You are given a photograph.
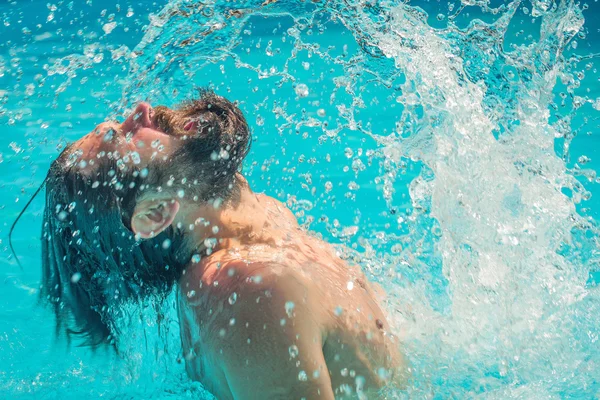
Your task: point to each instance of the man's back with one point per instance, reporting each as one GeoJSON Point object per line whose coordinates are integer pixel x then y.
{"type": "Point", "coordinates": [288, 315]}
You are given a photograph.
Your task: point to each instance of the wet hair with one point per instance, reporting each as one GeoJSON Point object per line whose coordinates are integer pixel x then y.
{"type": "Point", "coordinates": [214, 154]}
{"type": "Point", "coordinates": [91, 260]}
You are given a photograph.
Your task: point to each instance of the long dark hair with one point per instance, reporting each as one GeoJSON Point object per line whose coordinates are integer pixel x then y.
{"type": "Point", "coordinates": [91, 261]}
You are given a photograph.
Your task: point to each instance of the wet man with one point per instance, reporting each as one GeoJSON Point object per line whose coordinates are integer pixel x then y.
{"type": "Point", "coordinates": [266, 310]}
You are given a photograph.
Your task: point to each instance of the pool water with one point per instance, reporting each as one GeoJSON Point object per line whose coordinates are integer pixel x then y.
{"type": "Point", "coordinates": [448, 148]}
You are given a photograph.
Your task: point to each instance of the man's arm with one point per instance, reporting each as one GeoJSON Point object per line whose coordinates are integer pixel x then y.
{"type": "Point", "coordinates": [272, 348]}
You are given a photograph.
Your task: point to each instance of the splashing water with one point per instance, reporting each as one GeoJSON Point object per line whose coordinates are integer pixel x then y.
{"type": "Point", "coordinates": [486, 257]}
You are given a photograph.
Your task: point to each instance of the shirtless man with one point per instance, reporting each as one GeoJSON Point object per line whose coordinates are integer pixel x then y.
{"type": "Point", "coordinates": [266, 310]}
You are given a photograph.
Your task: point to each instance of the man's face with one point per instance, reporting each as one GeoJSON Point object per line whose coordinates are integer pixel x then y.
{"type": "Point", "coordinates": [138, 141]}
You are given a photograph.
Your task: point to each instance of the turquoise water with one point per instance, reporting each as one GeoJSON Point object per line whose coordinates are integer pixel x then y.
{"type": "Point", "coordinates": [451, 154]}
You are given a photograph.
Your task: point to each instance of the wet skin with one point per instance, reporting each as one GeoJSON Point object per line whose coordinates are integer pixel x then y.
{"type": "Point", "coordinates": [272, 312]}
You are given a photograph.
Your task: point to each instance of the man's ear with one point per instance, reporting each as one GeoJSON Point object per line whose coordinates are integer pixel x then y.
{"type": "Point", "coordinates": [151, 217]}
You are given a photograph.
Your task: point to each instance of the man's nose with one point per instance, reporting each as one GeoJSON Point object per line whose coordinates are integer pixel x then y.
{"type": "Point", "coordinates": [140, 118]}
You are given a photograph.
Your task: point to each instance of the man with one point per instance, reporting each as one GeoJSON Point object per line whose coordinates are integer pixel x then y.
{"type": "Point", "coordinates": [266, 310]}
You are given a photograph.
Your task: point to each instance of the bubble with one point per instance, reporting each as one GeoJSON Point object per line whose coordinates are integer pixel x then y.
{"type": "Point", "coordinates": [166, 244]}
{"type": "Point", "coordinates": [301, 90]}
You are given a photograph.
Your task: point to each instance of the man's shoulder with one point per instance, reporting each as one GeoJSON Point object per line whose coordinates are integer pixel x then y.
{"type": "Point", "coordinates": [224, 274]}
{"type": "Point", "coordinates": [236, 290]}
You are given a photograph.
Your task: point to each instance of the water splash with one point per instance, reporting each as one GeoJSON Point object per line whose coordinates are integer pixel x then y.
{"type": "Point", "coordinates": [485, 257]}
{"type": "Point", "coordinates": [488, 290]}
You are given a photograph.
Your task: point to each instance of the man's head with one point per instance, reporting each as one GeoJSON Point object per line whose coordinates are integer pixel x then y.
{"type": "Point", "coordinates": [112, 198]}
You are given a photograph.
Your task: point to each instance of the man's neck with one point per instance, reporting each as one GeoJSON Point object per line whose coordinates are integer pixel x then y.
{"type": "Point", "coordinates": [217, 225]}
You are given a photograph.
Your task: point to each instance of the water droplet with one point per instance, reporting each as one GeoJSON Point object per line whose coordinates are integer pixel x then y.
{"type": "Point", "coordinates": [75, 277]}
{"type": "Point", "coordinates": [166, 244]}
{"type": "Point", "coordinates": [233, 298]}
{"type": "Point", "coordinates": [301, 90]}
{"type": "Point", "coordinates": [15, 147]}
{"type": "Point", "coordinates": [293, 350]}
{"type": "Point", "coordinates": [289, 308]}
{"type": "Point", "coordinates": [302, 376]}
{"type": "Point", "coordinates": [108, 28]}
{"type": "Point", "coordinates": [584, 160]}
{"type": "Point", "coordinates": [135, 157]}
